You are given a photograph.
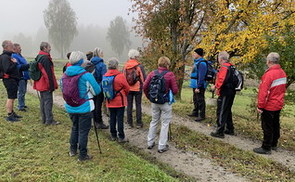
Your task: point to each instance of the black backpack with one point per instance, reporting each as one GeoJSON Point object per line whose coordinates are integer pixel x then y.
{"type": "Point", "coordinates": [210, 74]}
{"type": "Point", "coordinates": [157, 90]}
{"type": "Point", "coordinates": [237, 78]}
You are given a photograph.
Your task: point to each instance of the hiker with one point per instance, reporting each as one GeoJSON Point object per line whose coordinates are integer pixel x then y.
{"type": "Point", "coordinates": [11, 76]}
{"type": "Point", "coordinates": [116, 88]}
{"type": "Point", "coordinates": [24, 77]}
{"type": "Point", "coordinates": [89, 55]}
{"type": "Point", "coordinates": [68, 63]}
{"type": "Point", "coordinates": [135, 75]}
{"type": "Point", "coordinates": [198, 84]}
{"type": "Point", "coordinates": [46, 84]}
{"type": "Point", "coordinates": [270, 102]}
{"type": "Point", "coordinates": [161, 108]}
{"type": "Point", "coordinates": [226, 92]}
{"type": "Point", "coordinates": [99, 71]}
{"type": "Point", "coordinates": [80, 112]}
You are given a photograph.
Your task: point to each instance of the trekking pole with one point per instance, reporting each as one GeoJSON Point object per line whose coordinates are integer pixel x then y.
{"type": "Point", "coordinates": [96, 133]}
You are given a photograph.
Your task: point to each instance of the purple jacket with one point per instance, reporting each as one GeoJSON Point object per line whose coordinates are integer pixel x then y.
{"type": "Point", "coordinates": [170, 81]}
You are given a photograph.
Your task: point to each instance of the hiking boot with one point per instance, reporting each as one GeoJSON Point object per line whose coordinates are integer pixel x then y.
{"type": "Point", "coordinates": [113, 138]}
{"type": "Point", "coordinates": [261, 150]}
{"type": "Point", "coordinates": [151, 146]}
{"type": "Point", "coordinates": [11, 118]}
{"type": "Point", "coordinates": [123, 140]}
{"type": "Point", "coordinates": [130, 126]}
{"type": "Point", "coordinates": [53, 123]}
{"type": "Point", "coordinates": [138, 126]}
{"type": "Point", "coordinates": [217, 134]}
{"type": "Point", "coordinates": [199, 119]}
{"type": "Point", "coordinates": [164, 149]}
{"type": "Point", "coordinates": [102, 126]}
{"type": "Point", "coordinates": [72, 153]}
{"type": "Point", "coordinates": [192, 115]}
{"type": "Point", "coordinates": [15, 115]}
{"type": "Point", "coordinates": [86, 158]}
{"type": "Point", "coordinates": [229, 132]}
{"type": "Point", "coordinates": [23, 110]}
{"type": "Point", "coordinates": [26, 107]}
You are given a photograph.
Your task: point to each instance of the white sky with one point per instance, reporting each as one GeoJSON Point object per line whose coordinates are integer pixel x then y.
{"type": "Point", "coordinates": [26, 16]}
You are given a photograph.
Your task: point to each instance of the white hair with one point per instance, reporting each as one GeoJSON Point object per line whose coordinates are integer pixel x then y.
{"type": "Point", "coordinates": [76, 56]}
{"type": "Point", "coordinates": [273, 57]}
{"type": "Point", "coordinates": [223, 55]}
{"type": "Point", "coordinates": [113, 63]}
{"type": "Point", "coordinates": [97, 52]}
{"type": "Point", "coordinates": [133, 54]}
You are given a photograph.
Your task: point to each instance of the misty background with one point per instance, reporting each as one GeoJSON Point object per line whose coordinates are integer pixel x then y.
{"type": "Point", "coordinates": [22, 22]}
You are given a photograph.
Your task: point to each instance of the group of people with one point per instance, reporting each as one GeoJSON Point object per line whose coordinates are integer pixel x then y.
{"type": "Point", "coordinates": [84, 86]}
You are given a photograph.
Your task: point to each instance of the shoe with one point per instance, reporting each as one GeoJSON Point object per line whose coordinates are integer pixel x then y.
{"type": "Point", "coordinates": [217, 134]}
{"type": "Point", "coordinates": [229, 132]}
{"type": "Point", "coordinates": [11, 118]}
{"type": "Point", "coordinates": [113, 138]}
{"type": "Point", "coordinates": [23, 110]}
{"type": "Point", "coordinates": [102, 126]}
{"type": "Point", "coordinates": [53, 123]}
{"type": "Point", "coordinates": [151, 146]}
{"type": "Point", "coordinates": [122, 140]}
{"type": "Point", "coordinates": [130, 126]}
{"type": "Point", "coordinates": [138, 126]}
{"type": "Point", "coordinates": [274, 148]}
{"type": "Point", "coordinates": [192, 115]}
{"type": "Point", "coordinates": [25, 107]}
{"type": "Point", "coordinates": [15, 115]}
{"type": "Point", "coordinates": [261, 150]}
{"type": "Point", "coordinates": [164, 149]}
{"type": "Point", "coordinates": [72, 153]}
{"type": "Point", "coordinates": [199, 119]}
{"type": "Point", "coordinates": [86, 158]}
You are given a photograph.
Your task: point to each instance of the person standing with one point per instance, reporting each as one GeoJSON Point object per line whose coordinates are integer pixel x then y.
{"type": "Point", "coordinates": [226, 92]}
{"type": "Point", "coordinates": [161, 110]}
{"type": "Point", "coordinates": [135, 75]}
{"type": "Point", "coordinates": [270, 103]}
{"type": "Point", "coordinates": [8, 66]}
{"type": "Point", "coordinates": [24, 77]}
{"type": "Point", "coordinates": [117, 104]}
{"type": "Point", "coordinates": [46, 84]}
{"type": "Point", "coordinates": [99, 71]}
{"type": "Point", "coordinates": [198, 84]}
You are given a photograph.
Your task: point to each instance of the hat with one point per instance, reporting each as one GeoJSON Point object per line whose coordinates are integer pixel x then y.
{"type": "Point", "coordinates": [199, 51]}
{"type": "Point", "coordinates": [76, 56]}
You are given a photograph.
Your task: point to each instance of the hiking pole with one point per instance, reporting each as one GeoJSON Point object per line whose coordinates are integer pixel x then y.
{"type": "Point", "coordinates": [96, 133]}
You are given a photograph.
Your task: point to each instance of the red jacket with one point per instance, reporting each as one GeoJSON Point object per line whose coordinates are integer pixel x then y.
{"type": "Point", "coordinates": [47, 82]}
{"type": "Point", "coordinates": [170, 81]}
{"type": "Point", "coordinates": [140, 71]}
{"type": "Point", "coordinates": [120, 82]}
{"type": "Point", "coordinates": [222, 80]}
{"type": "Point", "coordinates": [272, 89]}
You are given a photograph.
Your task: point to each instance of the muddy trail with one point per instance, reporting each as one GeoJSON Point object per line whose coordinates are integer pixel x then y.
{"type": "Point", "coordinates": [188, 163]}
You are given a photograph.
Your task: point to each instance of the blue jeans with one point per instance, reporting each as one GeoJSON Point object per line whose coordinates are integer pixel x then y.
{"type": "Point", "coordinates": [80, 130]}
{"type": "Point", "coordinates": [22, 89]}
{"type": "Point", "coordinates": [116, 117]}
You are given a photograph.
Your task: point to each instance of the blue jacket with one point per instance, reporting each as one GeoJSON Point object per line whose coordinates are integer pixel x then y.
{"type": "Point", "coordinates": [88, 87]}
{"type": "Point", "coordinates": [21, 61]}
{"type": "Point", "coordinates": [100, 68]}
{"type": "Point", "coordinates": [198, 74]}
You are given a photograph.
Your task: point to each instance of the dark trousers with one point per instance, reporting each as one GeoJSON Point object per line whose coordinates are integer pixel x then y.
{"type": "Point", "coordinates": [46, 104]}
{"type": "Point", "coordinates": [116, 118]}
{"type": "Point", "coordinates": [224, 114]}
{"type": "Point", "coordinates": [199, 103]}
{"type": "Point", "coordinates": [80, 130]}
{"type": "Point", "coordinates": [270, 123]}
{"type": "Point", "coordinates": [137, 96]}
{"type": "Point", "coordinates": [22, 89]}
{"type": "Point", "coordinates": [97, 114]}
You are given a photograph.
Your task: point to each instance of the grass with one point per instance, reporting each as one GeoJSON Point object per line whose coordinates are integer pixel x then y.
{"type": "Point", "coordinates": [31, 151]}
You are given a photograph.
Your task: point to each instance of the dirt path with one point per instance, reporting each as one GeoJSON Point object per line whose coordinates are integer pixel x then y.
{"type": "Point", "coordinates": [287, 158]}
{"type": "Point", "coordinates": [186, 162]}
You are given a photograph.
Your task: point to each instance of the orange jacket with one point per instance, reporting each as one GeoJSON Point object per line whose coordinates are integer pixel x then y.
{"type": "Point", "coordinates": [140, 71]}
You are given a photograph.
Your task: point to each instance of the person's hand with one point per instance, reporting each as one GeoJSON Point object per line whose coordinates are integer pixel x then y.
{"type": "Point", "coordinates": [197, 90]}
{"type": "Point", "coordinates": [13, 60]}
{"type": "Point", "coordinates": [259, 111]}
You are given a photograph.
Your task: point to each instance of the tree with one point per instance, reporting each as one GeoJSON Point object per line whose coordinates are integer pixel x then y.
{"type": "Point", "coordinates": [61, 21]}
{"type": "Point", "coordinates": [119, 35]}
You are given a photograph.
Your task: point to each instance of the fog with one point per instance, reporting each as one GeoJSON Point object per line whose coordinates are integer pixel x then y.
{"type": "Point", "coordinates": [22, 22]}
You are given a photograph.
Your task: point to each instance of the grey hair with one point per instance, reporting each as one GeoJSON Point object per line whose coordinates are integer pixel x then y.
{"type": "Point", "coordinates": [76, 56]}
{"type": "Point", "coordinates": [44, 45]}
{"type": "Point", "coordinates": [97, 52]}
{"type": "Point", "coordinates": [223, 55]}
{"type": "Point", "coordinates": [113, 63]}
{"type": "Point", "coordinates": [273, 57]}
{"type": "Point", "coordinates": [5, 43]}
{"type": "Point", "coordinates": [133, 54]}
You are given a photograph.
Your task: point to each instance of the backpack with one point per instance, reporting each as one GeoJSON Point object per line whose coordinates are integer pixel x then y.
{"type": "Point", "coordinates": [157, 90]}
{"type": "Point", "coordinates": [211, 72]}
{"type": "Point", "coordinates": [237, 78]}
{"type": "Point", "coordinates": [34, 71]}
{"type": "Point", "coordinates": [107, 84]}
{"type": "Point", "coordinates": [70, 90]}
{"type": "Point", "coordinates": [131, 75]}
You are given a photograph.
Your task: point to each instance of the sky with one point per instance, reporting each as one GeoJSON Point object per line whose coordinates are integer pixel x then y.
{"type": "Point", "coordinates": [26, 16]}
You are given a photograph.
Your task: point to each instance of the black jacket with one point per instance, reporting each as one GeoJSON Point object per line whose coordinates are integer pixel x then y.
{"type": "Point", "coordinates": [7, 66]}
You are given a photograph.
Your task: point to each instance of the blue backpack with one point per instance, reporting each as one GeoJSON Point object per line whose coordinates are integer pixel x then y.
{"type": "Point", "coordinates": [107, 84]}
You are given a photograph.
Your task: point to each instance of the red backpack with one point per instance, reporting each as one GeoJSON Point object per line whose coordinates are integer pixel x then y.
{"type": "Point", "coordinates": [131, 75]}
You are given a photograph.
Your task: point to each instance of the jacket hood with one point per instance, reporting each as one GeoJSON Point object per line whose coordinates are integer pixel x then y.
{"type": "Point", "coordinates": [74, 70]}
{"type": "Point", "coordinates": [95, 60]}
{"type": "Point", "coordinates": [112, 72]}
{"type": "Point", "coordinates": [131, 63]}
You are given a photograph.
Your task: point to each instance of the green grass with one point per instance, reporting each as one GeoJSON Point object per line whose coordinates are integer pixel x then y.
{"type": "Point", "coordinates": [31, 151]}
